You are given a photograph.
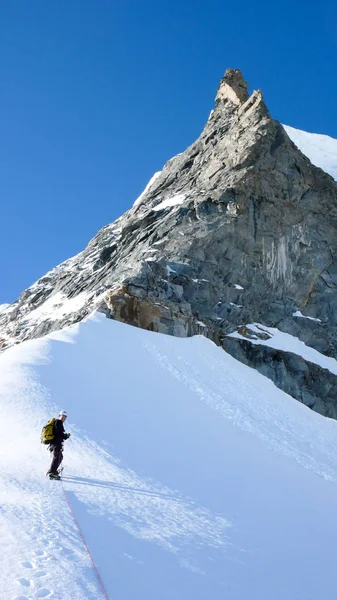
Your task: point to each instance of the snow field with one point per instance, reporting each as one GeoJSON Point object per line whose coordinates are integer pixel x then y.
{"type": "Point", "coordinates": [190, 474]}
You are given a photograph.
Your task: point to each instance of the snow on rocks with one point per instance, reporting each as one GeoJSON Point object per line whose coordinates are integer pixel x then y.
{"type": "Point", "coordinates": [274, 338]}
{"type": "Point", "coordinates": [146, 189]}
{"type": "Point", "coordinates": [170, 202]}
{"type": "Point", "coordinates": [57, 306]}
{"type": "Point", "coordinates": [299, 314]}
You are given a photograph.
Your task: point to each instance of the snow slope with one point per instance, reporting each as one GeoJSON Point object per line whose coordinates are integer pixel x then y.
{"type": "Point", "coordinates": [190, 474]}
{"type": "Point", "coordinates": [321, 149]}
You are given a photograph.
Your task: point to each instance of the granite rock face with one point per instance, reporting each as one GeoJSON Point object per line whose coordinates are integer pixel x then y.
{"type": "Point", "coordinates": [240, 228]}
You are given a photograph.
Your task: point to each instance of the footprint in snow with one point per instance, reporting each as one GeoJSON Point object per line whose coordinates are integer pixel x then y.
{"type": "Point", "coordinates": [55, 544]}
{"type": "Point", "coordinates": [40, 574]}
{"type": "Point", "coordinates": [41, 556]}
{"type": "Point", "coordinates": [21, 598]}
{"type": "Point", "coordinates": [39, 553]}
{"type": "Point", "coordinates": [23, 581]}
{"type": "Point", "coordinates": [27, 564]}
{"type": "Point", "coordinates": [43, 593]}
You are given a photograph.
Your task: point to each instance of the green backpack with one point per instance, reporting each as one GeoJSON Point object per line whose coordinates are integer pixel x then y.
{"type": "Point", "coordinates": [47, 433]}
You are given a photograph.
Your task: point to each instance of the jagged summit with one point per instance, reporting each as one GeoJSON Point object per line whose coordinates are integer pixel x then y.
{"type": "Point", "coordinates": [238, 229]}
{"type": "Point", "coordinates": [233, 87]}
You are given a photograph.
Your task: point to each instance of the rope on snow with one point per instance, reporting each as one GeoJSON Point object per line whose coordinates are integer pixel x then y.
{"type": "Point", "coordinates": [106, 597]}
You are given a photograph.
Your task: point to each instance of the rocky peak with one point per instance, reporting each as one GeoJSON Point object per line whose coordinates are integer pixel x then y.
{"type": "Point", "coordinates": [232, 87]}
{"type": "Point", "coordinates": [239, 229]}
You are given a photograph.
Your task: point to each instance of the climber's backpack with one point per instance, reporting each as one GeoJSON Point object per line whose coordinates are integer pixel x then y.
{"type": "Point", "coordinates": [47, 433]}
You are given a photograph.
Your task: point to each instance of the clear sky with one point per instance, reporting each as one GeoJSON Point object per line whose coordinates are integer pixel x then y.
{"type": "Point", "coordinates": [98, 94]}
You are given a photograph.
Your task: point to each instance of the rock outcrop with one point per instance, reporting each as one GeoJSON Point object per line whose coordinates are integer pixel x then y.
{"type": "Point", "coordinates": [240, 228]}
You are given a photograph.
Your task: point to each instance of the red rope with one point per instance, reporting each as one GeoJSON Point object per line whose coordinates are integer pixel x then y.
{"type": "Point", "coordinates": [86, 546]}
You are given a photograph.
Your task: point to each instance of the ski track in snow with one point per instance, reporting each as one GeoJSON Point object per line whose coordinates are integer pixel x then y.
{"type": "Point", "coordinates": [184, 471]}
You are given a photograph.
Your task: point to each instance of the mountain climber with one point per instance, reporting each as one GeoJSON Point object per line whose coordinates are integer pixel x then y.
{"type": "Point", "coordinates": [56, 445]}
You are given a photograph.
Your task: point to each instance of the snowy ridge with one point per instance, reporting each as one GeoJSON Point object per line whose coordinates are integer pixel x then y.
{"type": "Point", "coordinates": [191, 475]}
{"type": "Point", "coordinates": [321, 149]}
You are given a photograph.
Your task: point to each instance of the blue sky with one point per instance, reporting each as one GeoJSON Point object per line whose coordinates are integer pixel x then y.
{"type": "Point", "coordinates": [98, 94]}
